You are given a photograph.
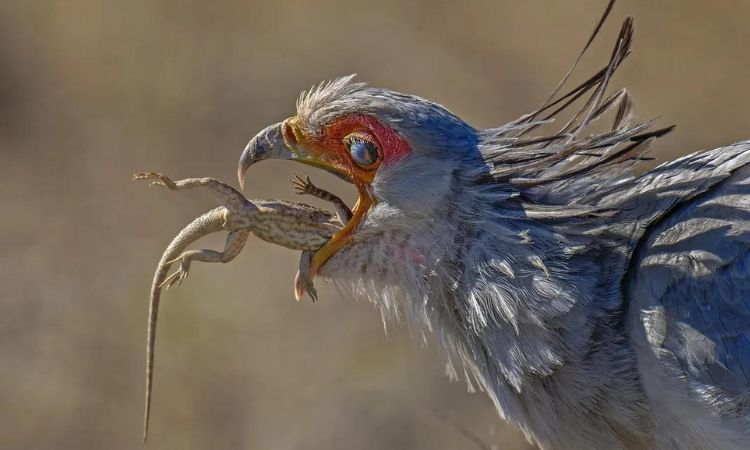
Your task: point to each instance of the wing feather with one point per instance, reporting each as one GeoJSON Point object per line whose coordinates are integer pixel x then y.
{"type": "Point", "coordinates": [688, 291]}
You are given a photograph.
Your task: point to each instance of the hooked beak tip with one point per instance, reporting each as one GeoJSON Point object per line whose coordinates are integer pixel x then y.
{"type": "Point", "coordinates": [268, 144]}
{"type": "Point", "coordinates": [241, 177]}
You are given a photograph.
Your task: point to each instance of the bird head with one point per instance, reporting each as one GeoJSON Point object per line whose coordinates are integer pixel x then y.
{"type": "Point", "coordinates": [401, 153]}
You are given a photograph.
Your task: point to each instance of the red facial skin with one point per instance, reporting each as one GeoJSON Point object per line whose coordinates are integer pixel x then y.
{"type": "Point", "coordinates": [330, 146]}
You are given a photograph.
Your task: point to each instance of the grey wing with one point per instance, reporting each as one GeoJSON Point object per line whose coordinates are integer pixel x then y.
{"type": "Point", "coordinates": [689, 302]}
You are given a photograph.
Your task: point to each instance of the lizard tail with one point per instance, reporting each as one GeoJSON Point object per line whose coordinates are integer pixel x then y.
{"type": "Point", "coordinates": [209, 222]}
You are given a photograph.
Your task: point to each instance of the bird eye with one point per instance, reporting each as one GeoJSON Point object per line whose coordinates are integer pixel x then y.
{"type": "Point", "coordinates": [364, 151]}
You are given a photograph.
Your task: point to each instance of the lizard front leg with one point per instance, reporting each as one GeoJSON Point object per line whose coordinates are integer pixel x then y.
{"type": "Point", "coordinates": [305, 186]}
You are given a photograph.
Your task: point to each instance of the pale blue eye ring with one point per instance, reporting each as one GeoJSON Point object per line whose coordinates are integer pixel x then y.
{"type": "Point", "coordinates": [364, 152]}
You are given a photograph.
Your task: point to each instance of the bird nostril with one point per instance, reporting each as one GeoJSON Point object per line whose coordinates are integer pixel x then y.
{"type": "Point", "coordinates": [287, 130]}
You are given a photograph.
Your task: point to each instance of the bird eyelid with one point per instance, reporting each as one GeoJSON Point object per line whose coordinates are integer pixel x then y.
{"type": "Point", "coordinates": [363, 149]}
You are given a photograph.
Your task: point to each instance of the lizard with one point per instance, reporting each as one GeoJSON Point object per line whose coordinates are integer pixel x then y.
{"type": "Point", "coordinates": [292, 225]}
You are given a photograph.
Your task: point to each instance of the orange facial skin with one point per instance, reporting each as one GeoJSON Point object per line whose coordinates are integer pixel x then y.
{"type": "Point", "coordinates": [329, 151]}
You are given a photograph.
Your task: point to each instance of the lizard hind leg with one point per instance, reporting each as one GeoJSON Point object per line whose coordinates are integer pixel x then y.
{"type": "Point", "coordinates": [233, 246]}
{"type": "Point", "coordinates": [228, 196]}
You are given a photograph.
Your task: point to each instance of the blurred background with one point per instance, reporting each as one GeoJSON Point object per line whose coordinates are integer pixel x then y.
{"type": "Point", "coordinates": [91, 91]}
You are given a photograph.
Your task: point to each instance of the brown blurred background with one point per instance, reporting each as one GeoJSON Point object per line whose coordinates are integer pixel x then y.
{"type": "Point", "coordinates": [92, 91]}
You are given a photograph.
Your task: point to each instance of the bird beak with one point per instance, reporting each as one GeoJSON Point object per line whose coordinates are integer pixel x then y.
{"type": "Point", "coordinates": [281, 141]}
{"type": "Point", "coordinates": [268, 144]}
{"type": "Point", "coordinates": [285, 141]}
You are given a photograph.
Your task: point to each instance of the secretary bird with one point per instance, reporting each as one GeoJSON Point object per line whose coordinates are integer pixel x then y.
{"type": "Point", "coordinates": [597, 308]}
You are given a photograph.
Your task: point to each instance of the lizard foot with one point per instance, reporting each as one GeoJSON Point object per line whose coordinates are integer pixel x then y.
{"type": "Point", "coordinates": [180, 274]}
{"type": "Point", "coordinates": [158, 179]}
{"type": "Point", "coordinates": [303, 186]}
{"type": "Point", "coordinates": [303, 283]}
{"type": "Point", "coordinates": [306, 187]}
